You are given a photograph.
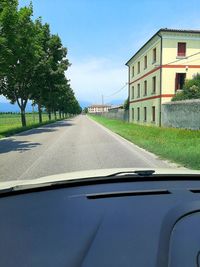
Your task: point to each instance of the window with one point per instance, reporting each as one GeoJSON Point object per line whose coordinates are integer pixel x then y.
{"type": "Point", "coordinates": [154, 85]}
{"type": "Point", "coordinates": [153, 114]}
{"type": "Point", "coordinates": [132, 114]}
{"type": "Point", "coordinates": [145, 62]}
{"type": "Point", "coordinates": [145, 114]}
{"type": "Point", "coordinates": [132, 92]}
{"type": "Point", "coordinates": [154, 55]}
{"type": "Point", "coordinates": [145, 88]}
{"type": "Point", "coordinates": [138, 114]}
{"type": "Point", "coordinates": [133, 71]}
{"type": "Point", "coordinates": [181, 51]}
{"type": "Point", "coordinates": [138, 90]}
{"type": "Point", "coordinates": [139, 67]}
{"type": "Point", "coordinates": [179, 81]}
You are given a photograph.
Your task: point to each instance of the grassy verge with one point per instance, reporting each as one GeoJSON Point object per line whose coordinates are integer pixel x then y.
{"type": "Point", "coordinates": [11, 123]}
{"type": "Point", "coordinates": [178, 145]}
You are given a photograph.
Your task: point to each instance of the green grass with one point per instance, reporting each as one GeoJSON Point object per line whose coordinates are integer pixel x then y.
{"type": "Point", "coordinates": [177, 145]}
{"type": "Point", "coordinates": [11, 123]}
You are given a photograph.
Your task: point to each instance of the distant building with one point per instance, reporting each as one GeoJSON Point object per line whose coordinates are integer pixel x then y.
{"type": "Point", "coordinates": [157, 71]}
{"type": "Point", "coordinates": [98, 108]}
{"type": "Point", "coordinates": [116, 108]}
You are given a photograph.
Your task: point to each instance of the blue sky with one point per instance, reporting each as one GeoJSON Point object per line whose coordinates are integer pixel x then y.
{"type": "Point", "coordinates": [101, 35]}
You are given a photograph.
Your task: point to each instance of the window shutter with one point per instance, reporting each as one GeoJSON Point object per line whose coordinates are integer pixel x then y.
{"type": "Point", "coordinates": [181, 49]}
{"type": "Point", "coordinates": [176, 82]}
{"type": "Point", "coordinates": [154, 55]}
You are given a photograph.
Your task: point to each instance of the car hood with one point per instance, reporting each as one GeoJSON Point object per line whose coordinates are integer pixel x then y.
{"type": "Point", "coordinates": [70, 176]}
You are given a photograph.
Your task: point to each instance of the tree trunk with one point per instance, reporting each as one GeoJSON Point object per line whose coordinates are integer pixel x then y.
{"type": "Point", "coordinates": [40, 113]}
{"type": "Point", "coordinates": [55, 117]}
{"type": "Point", "coordinates": [59, 114]}
{"type": "Point", "coordinates": [49, 114]}
{"type": "Point", "coordinates": [22, 106]}
{"type": "Point", "coordinates": [23, 117]}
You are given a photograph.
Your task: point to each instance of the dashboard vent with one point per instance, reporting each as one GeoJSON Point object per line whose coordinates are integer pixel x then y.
{"type": "Point", "coordinates": [128, 194]}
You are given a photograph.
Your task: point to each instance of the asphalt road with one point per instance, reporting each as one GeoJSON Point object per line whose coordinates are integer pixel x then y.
{"type": "Point", "coordinates": [70, 145]}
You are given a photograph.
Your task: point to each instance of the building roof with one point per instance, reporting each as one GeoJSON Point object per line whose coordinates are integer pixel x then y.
{"type": "Point", "coordinates": [179, 30]}
{"type": "Point", "coordinates": [99, 106]}
{"type": "Point", "coordinates": [163, 30]}
{"type": "Point", "coordinates": [117, 107]}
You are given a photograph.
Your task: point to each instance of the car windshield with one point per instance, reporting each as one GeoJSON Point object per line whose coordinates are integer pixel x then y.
{"type": "Point", "coordinates": [88, 86]}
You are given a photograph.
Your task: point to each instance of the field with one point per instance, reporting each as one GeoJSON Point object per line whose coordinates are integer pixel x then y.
{"type": "Point", "coordinates": [178, 145]}
{"type": "Point", "coordinates": [11, 123]}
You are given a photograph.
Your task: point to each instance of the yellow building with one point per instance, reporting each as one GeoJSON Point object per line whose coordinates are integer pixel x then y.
{"type": "Point", "coordinates": [157, 71]}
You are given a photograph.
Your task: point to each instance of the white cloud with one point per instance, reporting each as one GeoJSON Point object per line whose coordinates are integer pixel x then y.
{"type": "Point", "coordinates": [96, 76]}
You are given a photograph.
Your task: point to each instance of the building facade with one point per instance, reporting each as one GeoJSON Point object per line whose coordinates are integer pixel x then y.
{"type": "Point", "coordinates": [158, 70]}
{"type": "Point", "coordinates": [98, 108]}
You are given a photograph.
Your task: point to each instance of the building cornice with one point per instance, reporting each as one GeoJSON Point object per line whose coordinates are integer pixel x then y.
{"type": "Point", "coordinates": [151, 97]}
{"type": "Point", "coordinates": [165, 32]}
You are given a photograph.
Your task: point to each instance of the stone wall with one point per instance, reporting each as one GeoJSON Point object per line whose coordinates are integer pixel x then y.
{"type": "Point", "coordinates": [120, 114]}
{"type": "Point", "coordinates": [181, 114]}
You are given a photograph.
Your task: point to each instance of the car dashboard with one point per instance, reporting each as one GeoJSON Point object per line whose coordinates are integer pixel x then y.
{"type": "Point", "coordinates": [147, 223]}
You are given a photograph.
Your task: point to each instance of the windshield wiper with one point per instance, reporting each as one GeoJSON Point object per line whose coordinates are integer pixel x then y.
{"type": "Point", "coordinates": [138, 172]}
{"type": "Point", "coordinates": [116, 177]}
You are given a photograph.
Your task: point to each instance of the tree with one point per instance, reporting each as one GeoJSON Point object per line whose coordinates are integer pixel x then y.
{"type": "Point", "coordinates": [8, 19]}
{"type": "Point", "coordinates": [39, 81]}
{"type": "Point", "coordinates": [85, 110]}
{"type": "Point", "coordinates": [33, 63]}
{"type": "Point", "coordinates": [126, 104]}
{"type": "Point", "coordinates": [70, 104]}
{"type": "Point", "coordinates": [23, 55]}
{"type": "Point", "coordinates": [51, 71]}
{"type": "Point", "coordinates": [191, 89]}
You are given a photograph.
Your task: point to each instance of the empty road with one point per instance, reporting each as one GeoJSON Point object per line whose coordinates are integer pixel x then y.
{"type": "Point", "coordinates": [69, 145]}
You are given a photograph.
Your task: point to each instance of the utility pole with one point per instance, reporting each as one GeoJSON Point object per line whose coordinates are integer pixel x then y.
{"type": "Point", "coordinates": [102, 103]}
{"type": "Point", "coordinates": [102, 99]}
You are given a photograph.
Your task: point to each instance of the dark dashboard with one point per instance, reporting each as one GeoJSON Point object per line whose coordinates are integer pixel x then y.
{"type": "Point", "coordinates": [152, 223]}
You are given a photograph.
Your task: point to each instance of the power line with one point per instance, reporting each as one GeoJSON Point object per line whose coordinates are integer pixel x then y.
{"type": "Point", "coordinates": [182, 58]}
{"type": "Point", "coordinates": [192, 60]}
{"type": "Point", "coordinates": [123, 87]}
{"type": "Point", "coordinates": [118, 91]}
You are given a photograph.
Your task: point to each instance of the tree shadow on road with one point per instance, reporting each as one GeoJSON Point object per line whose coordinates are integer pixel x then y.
{"type": "Point", "coordinates": [11, 144]}
{"type": "Point", "coordinates": [46, 129]}
{"type": "Point", "coordinates": [59, 124]}
{"type": "Point", "coordinates": [36, 131]}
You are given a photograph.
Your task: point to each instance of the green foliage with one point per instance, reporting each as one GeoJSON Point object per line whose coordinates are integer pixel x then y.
{"type": "Point", "coordinates": [32, 62]}
{"type": "Point", "coordinates": [191, 89]}
{"type": "Point", "coordinates": [126, 104]}
{"type": "Point", "coordinates": [85, 110]}
{"type": "Point", "coordinates": [8, 19]}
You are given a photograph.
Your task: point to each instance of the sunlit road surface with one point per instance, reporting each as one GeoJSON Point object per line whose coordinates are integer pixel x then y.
{"type": "Point", "coordinates": [71, 145]}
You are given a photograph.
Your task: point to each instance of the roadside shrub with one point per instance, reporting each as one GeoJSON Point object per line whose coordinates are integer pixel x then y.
{"type": "Point", "coordinates": [191, 89]}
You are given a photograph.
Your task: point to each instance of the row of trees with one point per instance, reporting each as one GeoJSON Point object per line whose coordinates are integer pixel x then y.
{"type": "Point", "coordinates": [33, 63]}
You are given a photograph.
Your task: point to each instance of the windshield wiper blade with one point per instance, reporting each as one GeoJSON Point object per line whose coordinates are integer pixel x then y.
{"type": "Point", "coordinates": [117, 175]}
{"type": "Point", "coordinates": [138, 172]}
{"type": "Point", "coordinates": [114, 177]}
{"type": "Point", "coordinates": [143, 175]}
